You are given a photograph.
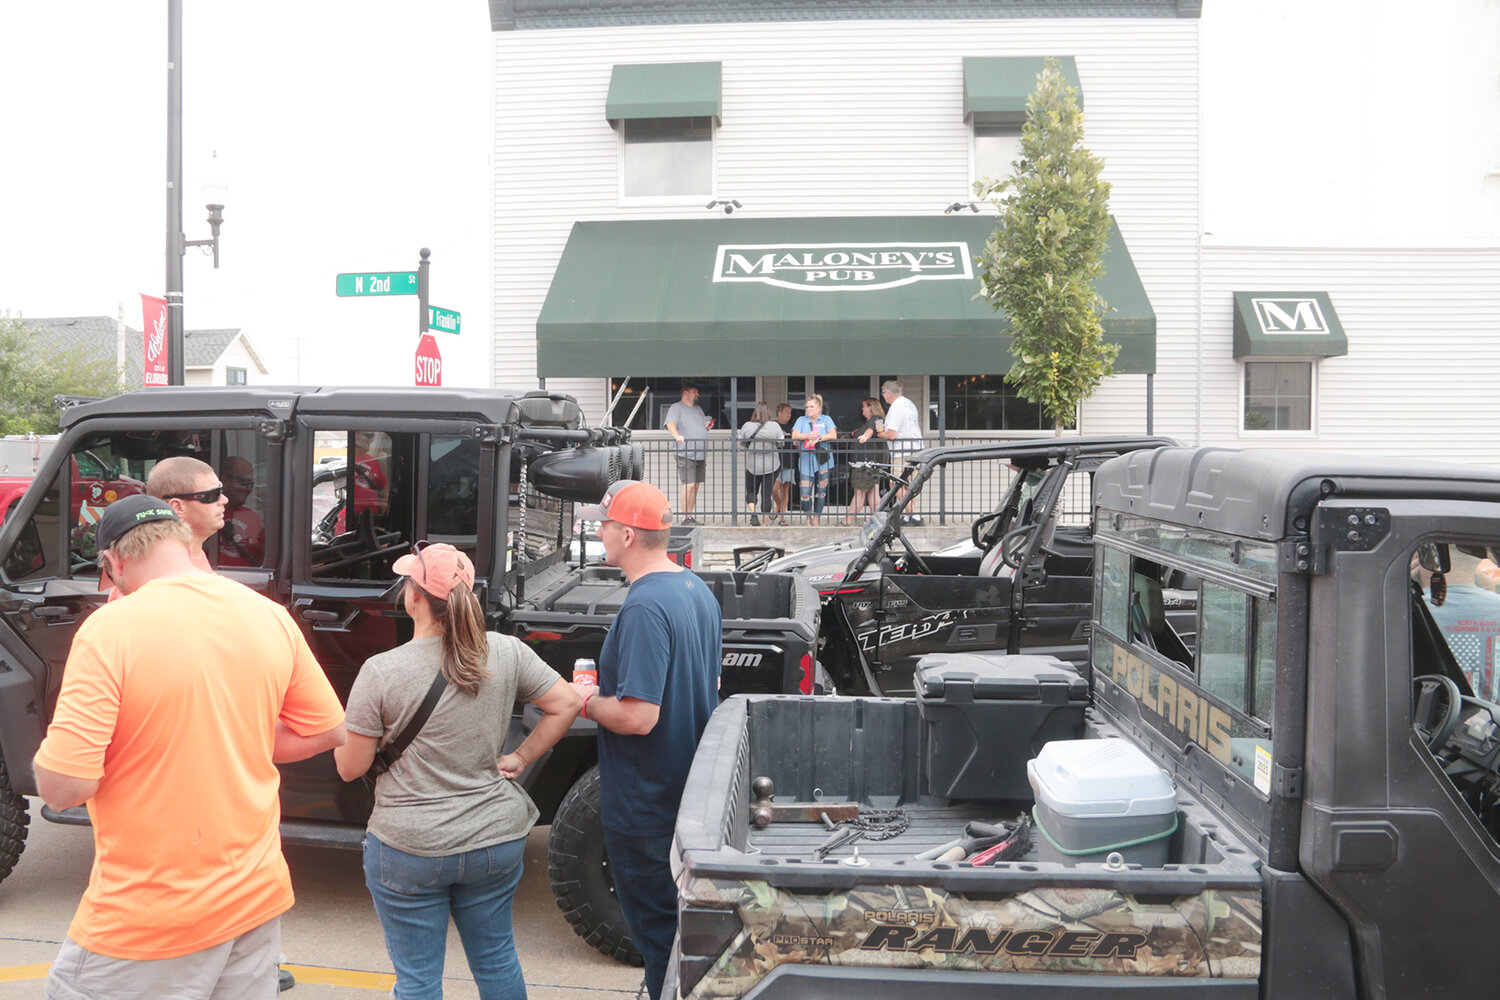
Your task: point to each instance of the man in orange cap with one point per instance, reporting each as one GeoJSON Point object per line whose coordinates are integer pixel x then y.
{"type": "Point", "coordinates": [658, 684]}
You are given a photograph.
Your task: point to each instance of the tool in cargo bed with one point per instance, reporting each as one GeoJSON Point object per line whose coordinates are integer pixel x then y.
{"type": "Point", "coordinates": [764, 812]}
{"type": "Point", "coordinates": [1013, 847]}
{"type": "Point", "coordinates": [877, 824]}
{"type": "Point", "coordinates": [977, 837]}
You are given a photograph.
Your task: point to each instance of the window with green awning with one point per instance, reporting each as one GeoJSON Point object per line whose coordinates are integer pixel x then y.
{"type": "Point", "coordinates": [735, 295]}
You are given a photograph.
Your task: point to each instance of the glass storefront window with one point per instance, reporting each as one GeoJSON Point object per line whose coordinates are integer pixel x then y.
{"type": "Point", "coordinates": [983, 403]}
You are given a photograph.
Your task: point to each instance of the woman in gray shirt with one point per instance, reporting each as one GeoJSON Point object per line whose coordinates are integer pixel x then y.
{"type": "Point", "coordinates": [450, 824]}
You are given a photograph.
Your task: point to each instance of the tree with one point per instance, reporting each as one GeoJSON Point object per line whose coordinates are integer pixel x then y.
{"type": "Point", "coordinates": [30, 375]}
{"type": "Point", "coordinates": [1040, 263]}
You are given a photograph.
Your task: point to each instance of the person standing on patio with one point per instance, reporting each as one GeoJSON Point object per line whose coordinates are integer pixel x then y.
{"type": "Point", "coordinates": [761, 437]}
{"type": "Point", "coordinates": [815, 460]}
{"type": "Point", "coordinates": [689, 428]}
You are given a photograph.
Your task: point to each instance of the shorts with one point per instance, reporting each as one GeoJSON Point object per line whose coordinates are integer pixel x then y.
{"type": "Point", "coordinates": [240, 967]}
{"type": "Point", "coordinates": [690, 470]}
{"type": "Point", "coordinates": [787, 475]}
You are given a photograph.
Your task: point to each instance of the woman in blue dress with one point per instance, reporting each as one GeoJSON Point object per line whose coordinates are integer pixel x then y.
{"type": "Point", "coordinates": [814, 457]}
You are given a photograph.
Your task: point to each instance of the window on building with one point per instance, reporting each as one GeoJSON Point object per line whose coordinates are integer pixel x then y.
{"type": "Point", "coordinates": [996, 148]}
{"type": "Point", "coordinates": [982, 403]}
{"type": "Point", "coordinates": [1278, 396]}
{"type": "Point", "coordinates": [661, 393]}
{"type": "Point", "coordinates": [236, 376]}
{"type": "Point", "coordinates": [668, 157]}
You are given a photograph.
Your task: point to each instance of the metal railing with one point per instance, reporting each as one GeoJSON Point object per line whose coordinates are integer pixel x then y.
{"type": "Point", "coordinates": [955, 495]}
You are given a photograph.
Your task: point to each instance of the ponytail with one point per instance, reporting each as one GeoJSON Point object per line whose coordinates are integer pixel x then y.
{"type": "Point", "coordinates": [466, 647]}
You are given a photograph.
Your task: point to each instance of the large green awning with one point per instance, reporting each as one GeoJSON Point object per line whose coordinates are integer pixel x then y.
{"type": "Point", "coordinates": [1288, 325]}
{"type": "Point", "coordinates": [733, 295]}
{"type": "Point", "coordinates": [996, 87]}
{"type": "Point", "coordinates": [664, 90]}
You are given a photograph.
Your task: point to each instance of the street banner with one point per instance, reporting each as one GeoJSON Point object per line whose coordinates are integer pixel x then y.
{"type": "Point", "coordinates": [155, 311]}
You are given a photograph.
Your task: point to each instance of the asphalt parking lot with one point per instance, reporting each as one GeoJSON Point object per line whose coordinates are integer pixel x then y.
{"type": "Point", "coordinates": [331, 937]}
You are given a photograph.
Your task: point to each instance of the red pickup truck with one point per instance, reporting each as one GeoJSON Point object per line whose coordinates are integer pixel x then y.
{"type": "Point", "coordinates": [12, 488]}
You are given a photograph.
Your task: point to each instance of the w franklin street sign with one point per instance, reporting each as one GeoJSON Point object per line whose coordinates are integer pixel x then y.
{"type": "Point", "coordinates": [439, 318]}
{"type": "Point", "coordinates": [378, 283]}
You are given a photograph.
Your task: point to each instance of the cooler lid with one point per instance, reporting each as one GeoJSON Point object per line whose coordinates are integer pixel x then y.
{"type": "Point", "coordinates": [1109, 777]}
{"type": "Point", "coordinates": [996, 676]}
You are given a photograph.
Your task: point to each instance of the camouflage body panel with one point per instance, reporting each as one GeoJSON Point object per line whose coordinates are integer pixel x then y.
{"type": "Point", "coordinates": [1212, 934]}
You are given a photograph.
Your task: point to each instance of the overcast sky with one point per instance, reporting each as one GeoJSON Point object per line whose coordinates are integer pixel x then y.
{"type": "Point", "coordinates": [352, 134]}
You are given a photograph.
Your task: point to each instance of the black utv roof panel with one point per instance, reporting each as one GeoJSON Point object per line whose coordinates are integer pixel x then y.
{"type": "Point", "coordinates": [1262, 493]}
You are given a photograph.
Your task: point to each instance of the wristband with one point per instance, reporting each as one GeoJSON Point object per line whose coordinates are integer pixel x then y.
{"type": "Point", "coordinates": [583, 711]}
{"type": "Point", "coordinates": [524, 762]}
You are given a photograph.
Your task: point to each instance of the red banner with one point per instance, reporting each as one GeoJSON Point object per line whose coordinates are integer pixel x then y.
{"type": "Point", "coordinates": [155, 311]}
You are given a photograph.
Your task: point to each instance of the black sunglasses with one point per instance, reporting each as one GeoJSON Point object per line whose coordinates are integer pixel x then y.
{"type": "Point", "coordinates": [202, 496]}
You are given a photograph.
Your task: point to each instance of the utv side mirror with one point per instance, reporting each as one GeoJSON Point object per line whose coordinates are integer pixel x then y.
{"type": "Point", "coordinates": [1434, 557]}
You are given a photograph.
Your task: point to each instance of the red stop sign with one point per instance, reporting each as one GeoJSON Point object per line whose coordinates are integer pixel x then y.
{"type": "Point", "coordinates": [429, 361]}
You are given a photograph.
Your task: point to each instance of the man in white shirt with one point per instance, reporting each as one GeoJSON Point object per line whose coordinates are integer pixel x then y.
{"type": "Point", "coordinates": [903, 429]}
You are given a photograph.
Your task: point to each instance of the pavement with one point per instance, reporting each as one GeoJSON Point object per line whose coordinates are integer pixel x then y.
{"type": "Point", "coordinates": [331, 937]}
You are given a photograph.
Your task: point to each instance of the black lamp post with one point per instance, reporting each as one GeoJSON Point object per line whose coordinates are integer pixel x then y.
{"type": "Point", "coordinates": [177, 244]}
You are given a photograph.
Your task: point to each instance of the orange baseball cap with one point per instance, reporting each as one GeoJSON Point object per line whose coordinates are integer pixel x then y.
{"type": "Point", "coordinates": [437, 568]}
{"type": "Point", "coordinates": [632, 503]}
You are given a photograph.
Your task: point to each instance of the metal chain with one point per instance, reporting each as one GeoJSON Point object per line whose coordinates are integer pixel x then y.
{"type": "Point", "coordinates": [878, 824]}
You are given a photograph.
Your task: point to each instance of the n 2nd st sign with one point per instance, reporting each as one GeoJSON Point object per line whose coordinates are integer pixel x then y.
{"type": "Point", "coordinates": [378, 283]}
{"type": "Point", "coordinates": [429, 361]}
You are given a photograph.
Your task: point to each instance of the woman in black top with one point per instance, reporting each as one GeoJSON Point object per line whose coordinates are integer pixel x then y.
{"type": "Point", "coordinates": [870, 448]}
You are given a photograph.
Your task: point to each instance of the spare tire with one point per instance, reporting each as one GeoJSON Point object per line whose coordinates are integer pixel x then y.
{"type": "Point", "coordinates": [13, 821]}
{"type": "Point", "coordinates": [580, 876]}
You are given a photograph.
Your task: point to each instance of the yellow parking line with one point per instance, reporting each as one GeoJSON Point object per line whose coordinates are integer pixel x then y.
{"type": "Point", "coordinates": [342, 977]}
{"type": "Point", "coordinates": [16, 973]}
{"type": "Point", "coordinates": [304, 973]}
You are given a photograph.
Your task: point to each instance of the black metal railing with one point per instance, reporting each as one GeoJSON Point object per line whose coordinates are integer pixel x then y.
{"type": "Point", "coordinates": [956, 494]}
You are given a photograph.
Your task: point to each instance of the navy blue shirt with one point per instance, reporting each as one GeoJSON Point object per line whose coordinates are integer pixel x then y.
{"type": "Point", "coordinates": [664, 647]}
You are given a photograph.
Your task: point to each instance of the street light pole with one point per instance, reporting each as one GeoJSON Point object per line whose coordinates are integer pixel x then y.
{"type": "Point", "coordinates": [175, 249]}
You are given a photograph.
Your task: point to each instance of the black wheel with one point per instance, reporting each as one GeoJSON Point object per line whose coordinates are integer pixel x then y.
{"type": "Point", "coordinates": [580, 876]}
{"type": "Point", "coordinates": [13, 821]}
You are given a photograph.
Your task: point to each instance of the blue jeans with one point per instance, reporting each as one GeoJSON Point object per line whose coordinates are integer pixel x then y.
{"type": "Point", "coordinates": [642, 870]}
{"type": "Point", "coordinates": [815, 491]}
{"type": "Point", "coordinates": [414, 897]}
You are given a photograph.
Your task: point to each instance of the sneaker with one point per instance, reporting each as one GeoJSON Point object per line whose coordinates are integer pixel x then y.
{"type": "Point", "coordinates": [689, 519]}
{"type": "Point", "coordinates": [755, 520]}
{"type": "Point", "coordinates": [915, 520]}
{"type": "Point", "coordinates": [284, 980]}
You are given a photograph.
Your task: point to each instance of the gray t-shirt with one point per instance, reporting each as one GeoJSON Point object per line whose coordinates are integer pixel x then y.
{"type": "Point", "coordinates": [693, 426]}
{"type": "Point", "coordinates": [445, 794]}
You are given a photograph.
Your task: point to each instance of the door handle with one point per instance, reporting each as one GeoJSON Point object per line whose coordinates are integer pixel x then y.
{"type": "Point", "coordinates": [317, 615]}
{"type": "Point", "coordinates": [56, 614]}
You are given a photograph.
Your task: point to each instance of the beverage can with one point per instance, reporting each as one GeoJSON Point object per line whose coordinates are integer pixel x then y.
{"type": "Point", "coordinates": [879, 426]}
{"type": "Point", "coordinates": [586, 672]}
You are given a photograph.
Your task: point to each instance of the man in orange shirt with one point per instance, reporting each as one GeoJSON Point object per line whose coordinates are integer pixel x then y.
{"type": "Point", "coordinates": [177, 702]}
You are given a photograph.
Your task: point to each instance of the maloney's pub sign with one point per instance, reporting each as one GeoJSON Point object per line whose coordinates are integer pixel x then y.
{"type": "Point", "coordinates": [843, 267]}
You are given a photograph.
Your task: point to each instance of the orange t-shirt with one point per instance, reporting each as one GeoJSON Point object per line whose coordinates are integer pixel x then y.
{"type": "Point", "coordinates": [170, 700]}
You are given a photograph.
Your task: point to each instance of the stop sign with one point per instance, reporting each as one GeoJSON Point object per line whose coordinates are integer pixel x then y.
{"type": "Point", "coordinates": [429, 361]}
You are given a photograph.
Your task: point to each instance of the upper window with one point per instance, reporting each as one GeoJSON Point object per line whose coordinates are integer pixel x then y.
{"type": "Point", "coordinates": [996, 149]}
{"type": "Point", "coordinates": [235, 376]}
{"type": "Point", "coordinates": [668, 157]}
{"type": "Point", "coordinates": [1278, 396]}
{"type": "Point", "coordinates": [666, 113]}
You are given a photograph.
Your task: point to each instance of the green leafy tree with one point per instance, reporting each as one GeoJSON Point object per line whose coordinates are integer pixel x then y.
{"type": "Point", "coordinates": [1040, 263]}
{"type": "Point", "coordinates": [31, 374]}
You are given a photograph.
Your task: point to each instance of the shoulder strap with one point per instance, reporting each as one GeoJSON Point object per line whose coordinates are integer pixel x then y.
{"type": "Point", "coordinates": [393, 750]}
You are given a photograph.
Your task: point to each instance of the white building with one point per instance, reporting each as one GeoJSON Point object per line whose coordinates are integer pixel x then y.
{"type": "Point", "coordinates": [1250, 153]}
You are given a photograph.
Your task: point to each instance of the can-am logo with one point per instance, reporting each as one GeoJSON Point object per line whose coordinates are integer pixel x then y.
{"type": "Point", "coordinates": [843, 267]}
{"type": "Point", "coordinates": [1299, 317]}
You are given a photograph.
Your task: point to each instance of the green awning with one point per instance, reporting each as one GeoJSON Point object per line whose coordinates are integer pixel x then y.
{"type": "Point", "coordinates": [1288, 325]}
{"type": "Point", "coordinates": [731, 295]}
{"type": "Point", "coordinates": [996, 88]}
{"type": "Point", "coordinates": [664, 90]}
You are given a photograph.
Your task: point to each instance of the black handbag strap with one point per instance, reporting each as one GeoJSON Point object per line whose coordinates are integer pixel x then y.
{"type": "Point", "coordinates": [393, 750]}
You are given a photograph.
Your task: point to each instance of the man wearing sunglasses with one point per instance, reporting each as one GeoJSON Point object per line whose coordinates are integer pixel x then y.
{"type": "Point", "coordinates": [193, 490]}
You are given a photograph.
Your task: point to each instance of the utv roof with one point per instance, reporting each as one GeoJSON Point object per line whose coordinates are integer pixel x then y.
{"type": "Point", "coordinates": [1265, 494]}
{"type": "Point", "coordinates": [494, 406]}
{"type": "Point", "coordinates": [1040, 450]}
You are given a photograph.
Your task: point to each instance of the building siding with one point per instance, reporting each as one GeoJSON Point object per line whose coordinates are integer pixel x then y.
{"type": "Point", "coordinates": [846, 118]}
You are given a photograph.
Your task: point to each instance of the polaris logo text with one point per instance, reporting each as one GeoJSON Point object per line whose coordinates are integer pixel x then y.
{"type": "Point", "coordinates": [1299, 317]}
{"type": "Point", "coordinates": [843, 267]}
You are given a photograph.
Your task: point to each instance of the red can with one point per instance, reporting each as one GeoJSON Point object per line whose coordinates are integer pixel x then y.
{"type": "Point", "coordinates": [586, 672]}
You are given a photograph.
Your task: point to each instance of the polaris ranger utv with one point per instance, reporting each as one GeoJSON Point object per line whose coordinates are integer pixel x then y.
{"type": "Point", "coordinates": [1303, 804]}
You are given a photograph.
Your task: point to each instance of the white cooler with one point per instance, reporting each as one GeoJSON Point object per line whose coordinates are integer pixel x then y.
{"type": "Point", "coordinates": [1096, 797]}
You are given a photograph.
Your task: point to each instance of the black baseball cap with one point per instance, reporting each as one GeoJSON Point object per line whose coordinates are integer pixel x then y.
{"type": "Point", "coordinates": [130, 512]}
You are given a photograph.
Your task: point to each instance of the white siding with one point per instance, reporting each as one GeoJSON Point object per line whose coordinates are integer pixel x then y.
{"type": "Point", "coordinates": [1423, 324]}
{"type": "Point", "coordinates": [849, 118]}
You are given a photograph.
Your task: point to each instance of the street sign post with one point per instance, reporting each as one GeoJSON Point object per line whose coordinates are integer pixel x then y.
{"type": "Point", "coordinates": [378, 283]}
{"type": "Point", "coordinates": [429, 361]}
{"type": "Point", "coordinates": [439, 318]}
